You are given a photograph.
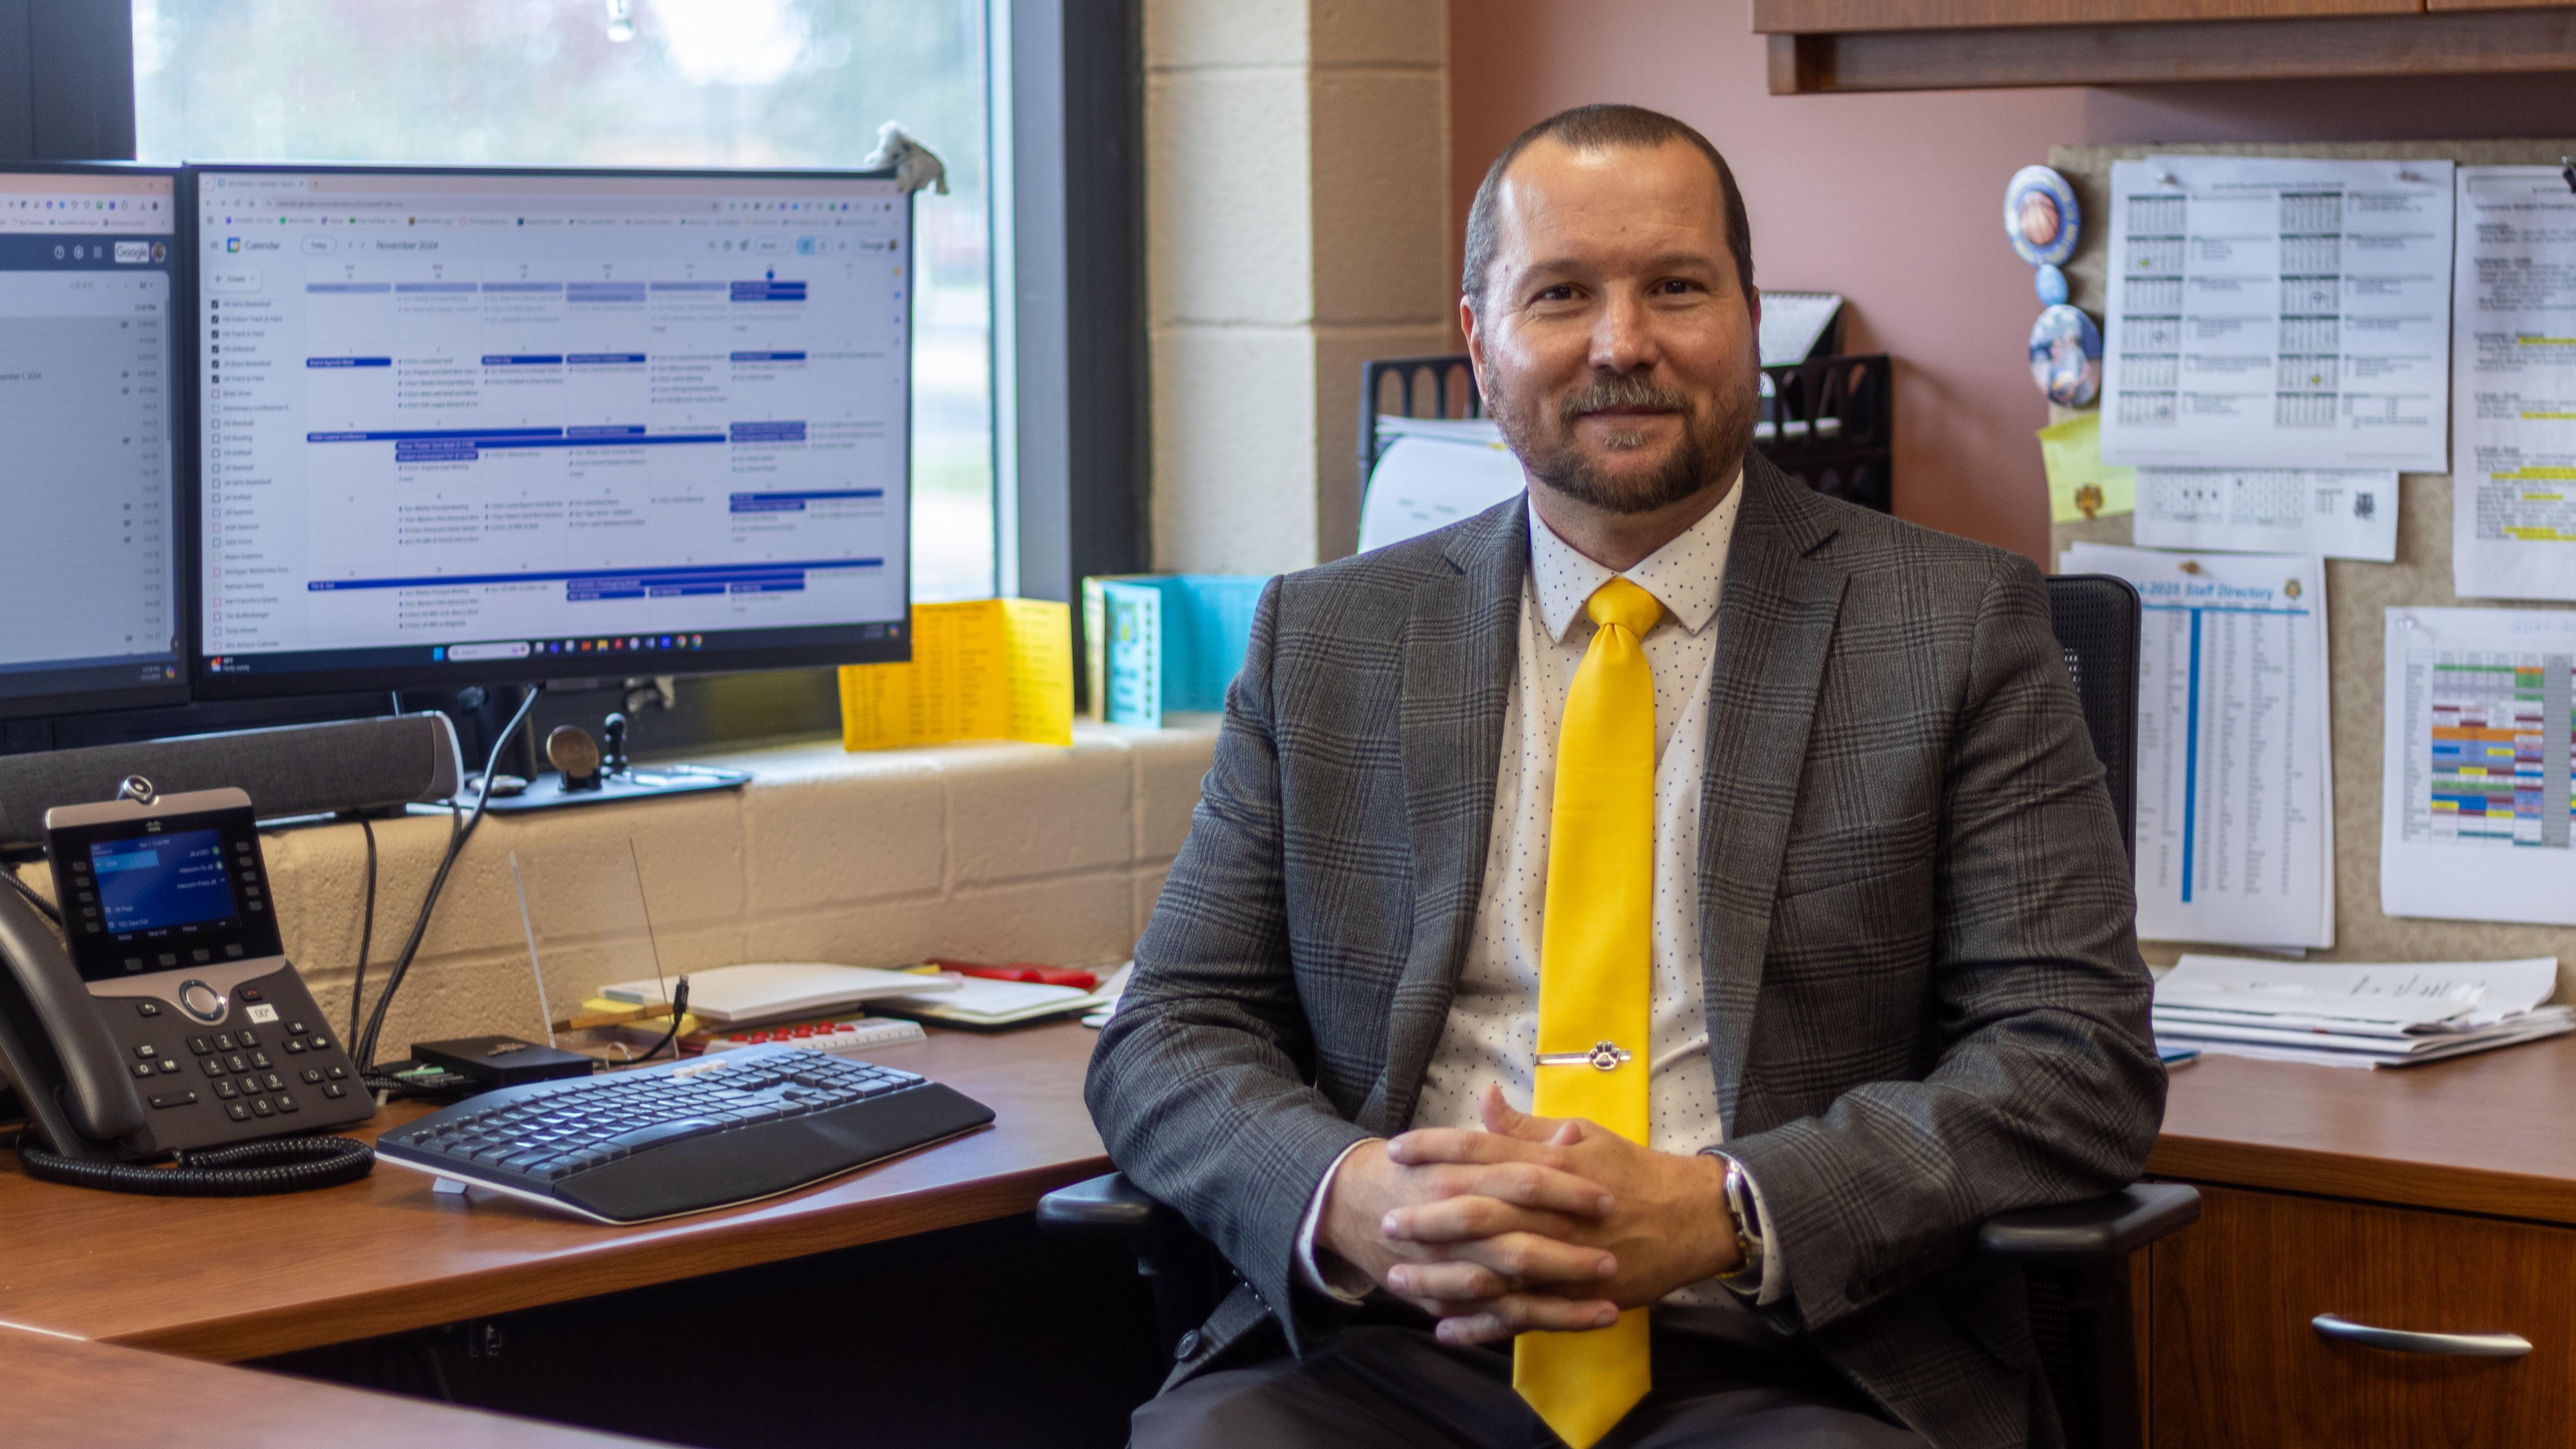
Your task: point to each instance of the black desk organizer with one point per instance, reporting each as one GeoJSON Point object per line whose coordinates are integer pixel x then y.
{"type": "Point", "coordinates": [1829, 423]}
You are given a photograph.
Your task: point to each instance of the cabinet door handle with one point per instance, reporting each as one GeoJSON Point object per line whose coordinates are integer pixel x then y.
{"type": "Point", "coordinates": [2398, 1340]}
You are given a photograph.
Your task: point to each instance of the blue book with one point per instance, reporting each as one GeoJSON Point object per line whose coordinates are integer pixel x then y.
{"type": "Point", "coordinates": [1131, 634]}
{"type": "Point", "coordinates": [1168, 641]}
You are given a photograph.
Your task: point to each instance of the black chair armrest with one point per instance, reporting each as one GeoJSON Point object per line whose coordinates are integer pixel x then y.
{"type": "Point", "coordinates": [1189, 1278]}
{"type": "Point", "coordinates": [1108, 1204]}
{"type": "Point", "coordinates": [2097, 1231]}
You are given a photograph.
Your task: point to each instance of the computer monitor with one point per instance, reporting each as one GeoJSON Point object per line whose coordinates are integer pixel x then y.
{"type": "Point", "coordinates": [469, 426]}
{"type": "Point", "coordinates": [91, 609]}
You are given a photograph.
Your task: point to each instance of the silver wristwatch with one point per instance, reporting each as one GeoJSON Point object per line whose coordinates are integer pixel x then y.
{"type": "Point", "coordinates": [1747, 1219]}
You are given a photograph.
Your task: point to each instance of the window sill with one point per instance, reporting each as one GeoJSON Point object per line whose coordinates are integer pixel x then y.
{"type": "Point", "coordinates": [994, 851]}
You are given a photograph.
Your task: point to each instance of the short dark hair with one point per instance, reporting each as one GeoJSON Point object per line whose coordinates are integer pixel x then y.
{"type": "Point", "coordinates": [1595, 128]}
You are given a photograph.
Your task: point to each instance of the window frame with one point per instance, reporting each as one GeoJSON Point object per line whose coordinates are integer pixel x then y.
{"type": "Point", "coordinates": [1073, 458]}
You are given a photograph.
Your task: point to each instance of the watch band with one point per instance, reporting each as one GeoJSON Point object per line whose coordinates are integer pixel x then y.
{"type": "Point", "coordinates": [1747, 1220]}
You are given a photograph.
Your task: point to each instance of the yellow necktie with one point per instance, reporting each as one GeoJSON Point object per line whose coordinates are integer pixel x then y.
{"type": "Point", "coordinates": [1596, 975]}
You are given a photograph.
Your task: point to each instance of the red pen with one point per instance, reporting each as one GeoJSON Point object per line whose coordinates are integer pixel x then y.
{"type": "Point", "coordinates": [1029, 971]}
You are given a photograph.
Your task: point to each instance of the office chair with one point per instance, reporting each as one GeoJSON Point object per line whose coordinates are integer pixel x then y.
{"type": "Point", "coordinates": [2075, 1256]}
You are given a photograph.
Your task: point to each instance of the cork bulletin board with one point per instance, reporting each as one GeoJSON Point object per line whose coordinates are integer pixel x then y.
{"type": "Point", "coordinates": [2357, 594]}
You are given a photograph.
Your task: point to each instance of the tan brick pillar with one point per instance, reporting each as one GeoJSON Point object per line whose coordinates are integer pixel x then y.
{"type": "Point", "coordinates": [1296, 204]}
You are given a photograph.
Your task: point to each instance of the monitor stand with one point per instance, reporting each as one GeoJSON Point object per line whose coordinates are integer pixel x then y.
{"type": "Point", "coordinates": [636, 782]}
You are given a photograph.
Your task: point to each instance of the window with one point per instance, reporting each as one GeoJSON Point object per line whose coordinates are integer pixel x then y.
{"type": "Point", "coordinates": [749, 83]}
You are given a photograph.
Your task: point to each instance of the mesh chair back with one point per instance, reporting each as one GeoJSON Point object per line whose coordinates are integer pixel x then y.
{"type": "Point", "coordinates": [2096, 617]}
{"type": "Point", "coordinates": [2097, 622]}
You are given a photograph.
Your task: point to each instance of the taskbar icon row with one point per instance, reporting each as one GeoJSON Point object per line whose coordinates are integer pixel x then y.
{"type": "Point", "coordinates": [545, 648]}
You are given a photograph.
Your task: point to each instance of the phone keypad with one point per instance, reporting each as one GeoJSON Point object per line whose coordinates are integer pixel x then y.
{"type": "Point", "coordinates": [261, 1078]}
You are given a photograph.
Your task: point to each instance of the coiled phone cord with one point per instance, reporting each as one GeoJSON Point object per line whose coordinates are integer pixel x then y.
{"type": "Point", "coordinates": [245, 1169]}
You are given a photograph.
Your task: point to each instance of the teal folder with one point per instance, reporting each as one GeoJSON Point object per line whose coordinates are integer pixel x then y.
{"type": "Point", "coordinates": [1170, 641]}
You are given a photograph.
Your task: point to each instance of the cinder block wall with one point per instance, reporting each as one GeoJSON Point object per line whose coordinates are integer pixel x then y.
{"type": "Point", "coordinates": [987, 851]}
{"type": "Point", "coordinates": [1297, 158]}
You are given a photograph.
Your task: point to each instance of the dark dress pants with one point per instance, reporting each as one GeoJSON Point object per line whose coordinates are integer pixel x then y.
{"type": "Point", "coordinates": [1387, 1383]}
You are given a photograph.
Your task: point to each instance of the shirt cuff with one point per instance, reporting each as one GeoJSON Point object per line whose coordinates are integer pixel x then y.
{"type": "Point", "coordinates": [1330, 1276]}
{"type": "Point", "coordinates": [1775, 1272]}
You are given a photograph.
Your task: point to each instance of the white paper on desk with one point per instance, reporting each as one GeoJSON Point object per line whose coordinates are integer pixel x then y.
{"type": "Point", "coordinates": [2420, 995]}
{"type": "Point", "coordinates": [1425, 481]}
{"type": "Point", "coordinates": [982, 1001]}
{"type": "Point", "coordinates": [2529, 1029]}
{"type": "Point", "coordinates": [2333, 513]}
{"type": "Point", "coordinates": [2513, 372]}
{"type": "Point", "coordinates": [1104, 998]}
{"type": "Point", "coordinates": [2277, 313]}
{"type": "Point", "coordinates": [2477, 765]}
{"type": "Point", "coordinates": [2235, 767]}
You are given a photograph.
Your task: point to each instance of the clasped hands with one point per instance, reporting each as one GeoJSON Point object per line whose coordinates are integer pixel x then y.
{"type": "Point", "coordinates": [1532, 1223]}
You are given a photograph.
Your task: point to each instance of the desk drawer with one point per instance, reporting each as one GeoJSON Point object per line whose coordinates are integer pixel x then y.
{"type": "Point", "coordinates": [2232, 1358]}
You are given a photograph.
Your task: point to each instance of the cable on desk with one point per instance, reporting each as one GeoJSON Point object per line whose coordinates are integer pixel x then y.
{"type": "Point", "coordinates": [679, 1009]}
{"type": "Point", "coordinates": [245, 1169]}
{"type": "Point", "coordinates": [460, 829]}
{"type": "Point", "coordinates": [366, 934]}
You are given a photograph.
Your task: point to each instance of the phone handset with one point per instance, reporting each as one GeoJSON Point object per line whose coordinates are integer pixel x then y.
{"type": "Point", "coordinates": [100, 1103]}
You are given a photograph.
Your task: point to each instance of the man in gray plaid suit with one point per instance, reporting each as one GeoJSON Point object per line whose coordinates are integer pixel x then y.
{"type": "Point", "coordinates": [1895, 986]}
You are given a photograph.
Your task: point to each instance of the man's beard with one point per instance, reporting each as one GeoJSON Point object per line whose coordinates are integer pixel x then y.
{"type": "Point", "coordinates": [1713, 442]}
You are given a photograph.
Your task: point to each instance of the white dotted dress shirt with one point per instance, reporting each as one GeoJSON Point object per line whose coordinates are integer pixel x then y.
{"type": "Point", "coordinates": [1492, 1031]}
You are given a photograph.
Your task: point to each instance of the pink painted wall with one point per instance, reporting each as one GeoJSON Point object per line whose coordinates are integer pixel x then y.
{"type": "Point", "coordinates": [1895, 200]}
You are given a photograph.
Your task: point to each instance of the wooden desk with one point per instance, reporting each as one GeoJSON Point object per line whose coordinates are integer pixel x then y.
{"type": "Point", "coordinates": [233, 1278]}
{"type": "Point", "coordinates": [2435, 1199]}
{"type": "Point", "coordinates": [63, 1392]}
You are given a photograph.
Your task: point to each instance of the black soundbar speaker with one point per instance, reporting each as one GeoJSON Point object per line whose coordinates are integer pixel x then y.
{"type": "Point", "coordinates": [359, 764]}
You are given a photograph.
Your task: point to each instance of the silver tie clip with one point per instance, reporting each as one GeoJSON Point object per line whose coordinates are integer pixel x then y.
{"type": "Point", "coordinates": [1604, 1057]}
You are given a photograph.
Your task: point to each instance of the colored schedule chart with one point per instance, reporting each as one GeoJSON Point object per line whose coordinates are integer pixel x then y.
{"type": "Point", "coordinates": [454, 417]}
{"type": "Point", "coordinates": [2494, 762]}
{"type": "Point", "coordinates": [2481, 756]}
{"type": "Point", "coordinates": [2235, 774]}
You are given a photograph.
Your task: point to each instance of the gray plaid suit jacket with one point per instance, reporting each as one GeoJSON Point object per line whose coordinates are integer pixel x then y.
{"type": "Point", "coordinates": [1925, 997]}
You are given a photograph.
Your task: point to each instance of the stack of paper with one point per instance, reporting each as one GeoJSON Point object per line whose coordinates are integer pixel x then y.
{"type": "Point", "coordinates": [979, 1001]}
{"type": "Point", "coordinates": [1797, 325]}
{"type": "Point", "coordinates": [2398, 1015]}
{"type": "Point", "coordinates": [767, 991]}
{"type": "Point", "coordinates": [1111, 989]}
{"type": "Point", "coordinates": [1434, 472]}
{"type": "Point", "coordinates": [987, 669]}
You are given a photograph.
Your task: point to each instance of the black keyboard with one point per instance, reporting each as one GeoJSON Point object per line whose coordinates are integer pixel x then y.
{"type": "Point", "coordinates": [683, 1137]}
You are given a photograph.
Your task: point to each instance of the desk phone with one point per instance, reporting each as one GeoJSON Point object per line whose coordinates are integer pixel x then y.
{"type": "Point", "coordinates": [173, 1021]}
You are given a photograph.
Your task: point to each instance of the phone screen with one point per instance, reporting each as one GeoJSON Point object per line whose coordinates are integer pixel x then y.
{"type": "Point", "coordinates": [160, 881]}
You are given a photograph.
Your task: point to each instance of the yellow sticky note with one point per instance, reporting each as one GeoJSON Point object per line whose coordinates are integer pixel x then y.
{"type": "Point", "coordinates": [987, 669]}
{"type": "Point", "coordinates": [2080, 484]}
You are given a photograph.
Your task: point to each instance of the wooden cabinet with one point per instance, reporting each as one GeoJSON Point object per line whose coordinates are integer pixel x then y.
{"type": "Point", "coordinates": [1880, 45]}
{"type": "Point", "coordinates": [2441, 1199]}
{"type": "Point", "coordinates": [1847, 15]}
{"type": "Point", "coordinates": [2232, 1357]}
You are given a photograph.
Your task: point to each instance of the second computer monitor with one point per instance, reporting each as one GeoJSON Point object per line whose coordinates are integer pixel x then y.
{"type": "Point", "coordinates": [472, 426]}
{"type": "Point", "coordinates": [90, 421]}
